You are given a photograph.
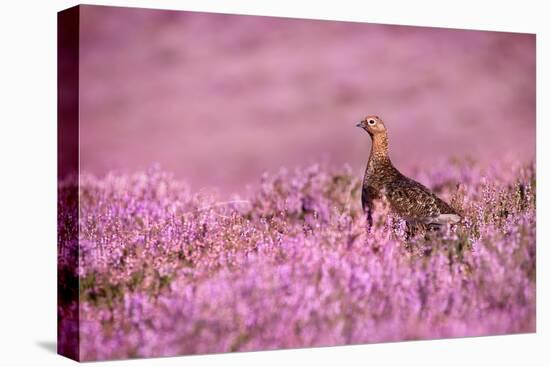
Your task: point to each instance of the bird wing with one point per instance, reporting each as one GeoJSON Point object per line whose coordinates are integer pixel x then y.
{"type": "Point", "coordinates": [413, 201]}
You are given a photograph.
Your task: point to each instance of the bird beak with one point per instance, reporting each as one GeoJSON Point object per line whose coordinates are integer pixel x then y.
{"type": "Point", "coordinates": [360, 124]}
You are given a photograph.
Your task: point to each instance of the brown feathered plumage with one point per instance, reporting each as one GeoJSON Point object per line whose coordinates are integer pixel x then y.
{"type": "Point", "coordinates": [409, 199]}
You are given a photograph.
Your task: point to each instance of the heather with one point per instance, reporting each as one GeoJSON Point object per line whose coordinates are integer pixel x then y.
{"type": "Point", "coordinates": [165, 270]}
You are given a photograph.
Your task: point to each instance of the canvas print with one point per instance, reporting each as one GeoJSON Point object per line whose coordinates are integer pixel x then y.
{"type": "Point", "coordinates": [231, 183]}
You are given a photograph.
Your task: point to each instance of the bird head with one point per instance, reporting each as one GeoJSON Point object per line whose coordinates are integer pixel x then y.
{"type": "Point", "coordinates": [373, 125]}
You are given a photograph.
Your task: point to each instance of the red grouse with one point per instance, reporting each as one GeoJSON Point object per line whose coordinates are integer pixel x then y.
{"type": "Point", "coordinates": [412, 201]}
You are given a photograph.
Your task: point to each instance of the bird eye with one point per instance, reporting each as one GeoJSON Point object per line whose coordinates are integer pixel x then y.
{"type": "Point", "coordinates": [372, 122]}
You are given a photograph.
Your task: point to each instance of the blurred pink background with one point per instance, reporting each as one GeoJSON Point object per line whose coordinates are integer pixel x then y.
{"type": "Point", "coordinates": [220, 99]}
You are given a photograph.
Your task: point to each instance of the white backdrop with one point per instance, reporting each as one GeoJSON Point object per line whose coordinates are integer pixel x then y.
{"type": "Point", "coordinates": [28, 182]}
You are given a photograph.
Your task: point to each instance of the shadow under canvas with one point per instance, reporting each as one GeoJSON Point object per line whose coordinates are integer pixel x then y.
{"type": "Point", "coordinates": [48, 345]}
